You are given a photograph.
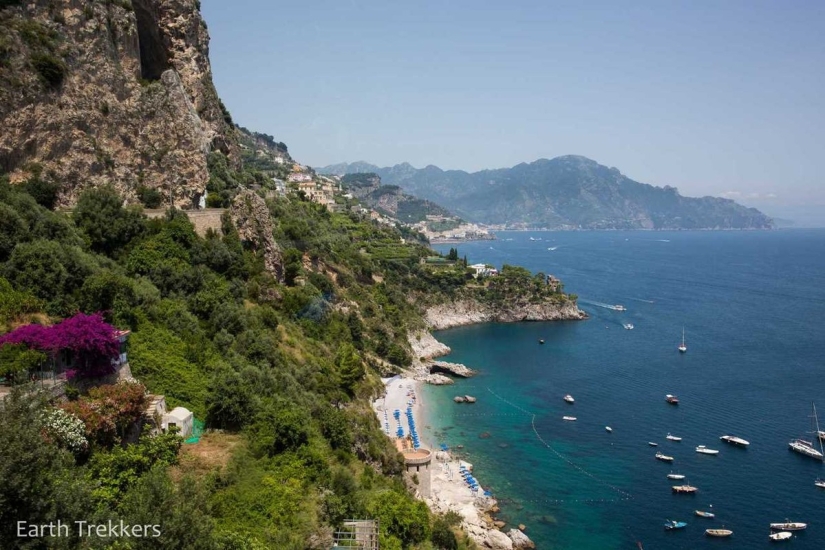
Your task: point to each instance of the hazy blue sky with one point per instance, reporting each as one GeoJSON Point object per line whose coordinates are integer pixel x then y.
{"type": "Point", "coordinates": [722, 98]}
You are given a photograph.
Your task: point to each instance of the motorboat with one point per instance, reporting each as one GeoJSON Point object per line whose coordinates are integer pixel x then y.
{"type": "Point", "coordinates": [672, 524]}
{"type": "Point", "coordinates": [819, 482]}
{"type": "Point", "coordinates": [718, 532]}
{"type": "Point", "coordinates": [686, 488]}
{"type": "Point", "coordinates": [789, 526]}
{"type": "Point", "coordinates": [628, 326]}
{"type": "Point", "coordinates": [704, 450]}
{"type": "Point", "coordinates": [569, 398]}
{"type": "Point", "coordinates": [682, 347]}
{"type": "Point", "coordinates": [541, 341]}
{"type": "Point", "coordinates": [781, 535]}
{"type": "Point", "coordinates": [673, 437]}
{"type": "Point", "coordinates": [704, 514]}
{"type": "Point", "coordinates": [652, 444]}
{"type": "Point", "coordinates": [619, 307]}
{"type": "Point", "coordinates": [672, 399]}
{"type": "Point", "coordinates": [671, 475]}
{"type": "Point", "coordinates": [569, 418]}
{"type": "Point", "coordinates": [733, 440]}
{"type": "Point", "coordinates": [608, 428]}
{"type": "Point", "coordinates": [662, 456]}
{"type": "Point", "coordinates": [805, 447]}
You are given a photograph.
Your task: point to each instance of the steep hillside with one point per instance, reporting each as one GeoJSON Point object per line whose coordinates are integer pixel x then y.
{"type": "Point", "coordinates": [566, 192]}
{"type": "Point", "coordinates": [390, 200]}
{"type": "Point", "coordinates": [113, 92]}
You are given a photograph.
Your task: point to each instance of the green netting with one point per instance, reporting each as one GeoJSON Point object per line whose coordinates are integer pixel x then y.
{"type": "Point", "coordinates": [197, 432]}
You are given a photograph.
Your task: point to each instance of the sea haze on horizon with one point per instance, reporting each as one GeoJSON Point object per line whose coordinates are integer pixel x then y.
{"type": "Point", "coordinates": [712, 98]}
{"type": "Point", "coordinates": [752, 306]}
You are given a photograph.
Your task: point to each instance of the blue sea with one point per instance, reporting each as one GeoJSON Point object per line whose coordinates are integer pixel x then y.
{"type": "Point", "coordinates": [752, 305]}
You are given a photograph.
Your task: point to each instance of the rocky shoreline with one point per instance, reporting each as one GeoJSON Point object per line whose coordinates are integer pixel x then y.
{"type": "Point", "coordinates": [469, 312]}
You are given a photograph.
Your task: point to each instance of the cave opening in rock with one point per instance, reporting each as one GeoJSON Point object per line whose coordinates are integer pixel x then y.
{"type": "Point", "coordinates": [153, 56]}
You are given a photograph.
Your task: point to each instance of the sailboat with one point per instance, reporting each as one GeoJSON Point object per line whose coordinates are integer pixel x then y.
{"type": "Point", "coordinates": [683, 347]}
{"type": "Point", "coordinates": [805, 447]}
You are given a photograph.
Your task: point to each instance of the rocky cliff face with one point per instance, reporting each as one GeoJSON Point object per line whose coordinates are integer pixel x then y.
{"type": "Point", "coordinates": [117, 92]}
{"type": "Point", "coordinates": [468, 312]}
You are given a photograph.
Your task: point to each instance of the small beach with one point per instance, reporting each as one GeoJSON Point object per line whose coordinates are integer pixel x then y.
{"type": "Point", "coordinates": [453, 485]}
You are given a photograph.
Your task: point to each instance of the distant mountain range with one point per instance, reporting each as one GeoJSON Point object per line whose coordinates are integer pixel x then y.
{"type": "Point", "coordinates": [569, 192]}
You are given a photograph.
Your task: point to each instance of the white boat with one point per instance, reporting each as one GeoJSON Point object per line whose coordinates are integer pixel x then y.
{"type": "Point", "coordinates": [628, 326]}
{"type": "Point", "coordinates": [608, 428]}
{"type": "Point", "coordinates": [781, 535]}
{"type": "Point", "coordinates": [819, 482]}
{"type": "Point", "coordinates": [671, 475]}
{"type": "Point", "coordinates": [662, 456]}
{"type": "Point", "coordinates": [619, 307]}
{"type": "Point", "coordinates": [673, 437]}
{"type": "Point", "coordinates": [718, 532]}
{"type": "Point", "coordinates": [704, 450]}
{"type": "Point", "coordinates": [569, 418]}
{"type": "Point", "coordinates": [683, 347]}
{"type": "Point", "coordinates": [704, 514]}
{"type": "Point", "coordinates": [733, 440]}
{"type": "Point", "coordinates": [789, 526]}
{"type": "Point", "coordinates": [805, 447]}
{"type": "Point", "coordinates": [652, 444]}
{"type": "Point", "coordinates": [569, 398]}
{"type": "Point", "coordinates": [686, 488]}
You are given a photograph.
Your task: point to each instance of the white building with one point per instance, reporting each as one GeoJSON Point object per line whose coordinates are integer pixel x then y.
{"type": "Point", "coordinates": [180, 417]}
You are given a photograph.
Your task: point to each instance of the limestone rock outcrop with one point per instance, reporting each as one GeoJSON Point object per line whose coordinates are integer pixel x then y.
{"type": "Point", "coordinates": [119, 93]}
{"type": "Point", "coordinates": [251, 216]}
{"type": "Point", "coordinates": [496, 540]}
{"type": "Point", "coordinates": [468, 312]}
{"type": "Point", "coordinates": [520, 540]}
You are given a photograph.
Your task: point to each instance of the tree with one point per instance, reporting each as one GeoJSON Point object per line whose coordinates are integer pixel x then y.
{"type": "Point", "coordinates": [17, 359]}
{"type": "Point", "coordinates": [230, 401]}
{"type": "Point", "coordinates": [350, 367]}
{"type": "Point", "coordinates": [38, 478]}
{"type": "Point", "coordinates": [100, 215]}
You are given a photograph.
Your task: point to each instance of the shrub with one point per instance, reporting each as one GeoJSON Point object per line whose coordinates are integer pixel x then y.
{"type": "Point", "coordinates": [66, 430]}
{"type": "Point", "coordinates": [50, 69]}
{"type": "Point", "coordinates": [151, 198]}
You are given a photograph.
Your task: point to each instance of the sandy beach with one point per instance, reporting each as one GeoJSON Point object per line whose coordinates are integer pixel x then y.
{"type": "Point", "coordinates": [449, 489]}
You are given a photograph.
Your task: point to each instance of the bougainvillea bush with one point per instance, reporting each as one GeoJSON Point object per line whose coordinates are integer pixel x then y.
{"type": "Point", "coordinates": [92, 341]}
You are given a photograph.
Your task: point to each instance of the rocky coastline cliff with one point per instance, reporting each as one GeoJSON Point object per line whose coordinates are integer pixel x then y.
{"type": "Point", "coordinates": [468, 312]}
{"type": "Point", "coordinates": [110, 93]}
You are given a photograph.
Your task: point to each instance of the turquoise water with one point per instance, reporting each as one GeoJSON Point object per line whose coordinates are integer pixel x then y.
{"type": "Point", "coordinates": [752, 306]}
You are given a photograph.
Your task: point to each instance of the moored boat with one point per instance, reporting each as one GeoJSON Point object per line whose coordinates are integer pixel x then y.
{"type": "Point", "coordinates": [733, 440]}
{"type": "Point", "coordinates": [662, 456]}
{"type": "Point", "coordinates": [652, 444]}
{"type": "Point", "coordinates": [569, 398]}
{"type": "Point", "coordinates": [805, 447]}
{"type": "Point", "coordinates": [569, 418]}
{"type": "Point", "coordinates": [718, 532]}
{"type": "Point", "coordinates": [672, 524]}
{"type": "Point", "coordinates": [671, 475]}
{"type": "Point", "coordinates": [672, 399]}
{"type": "Point", "coordinates": [704, 450]}
{"type": "Point", "coordinates": [686, 488]}
{"type": "Point", "coordinates": [541, 341]}
{"type": "Point", "coordinates": [704, 514]}
{"type": "Point", "coordinates": [789, 526]}
{"type": "Point", "coordinates": [608, 428]}
{"type": "Point", "coordinates": [673, 437]}
{"type": "Point", "coordinates": [781, 535]}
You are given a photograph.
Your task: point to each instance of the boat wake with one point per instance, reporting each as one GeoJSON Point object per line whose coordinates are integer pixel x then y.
{"type": "Point", "coordinates": [614, 307]}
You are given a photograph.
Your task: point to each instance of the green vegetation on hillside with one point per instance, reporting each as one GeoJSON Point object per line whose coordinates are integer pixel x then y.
{"type": "Point", "coordinates": [286, 369]}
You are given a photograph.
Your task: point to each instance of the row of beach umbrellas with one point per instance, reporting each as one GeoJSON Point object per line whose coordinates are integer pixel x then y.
{"type": "Point", "coordinates": [413, 431]}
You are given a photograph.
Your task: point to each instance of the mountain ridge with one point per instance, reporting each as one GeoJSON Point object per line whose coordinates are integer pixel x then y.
{"type": "Point", "coordinates": [566, 192]}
